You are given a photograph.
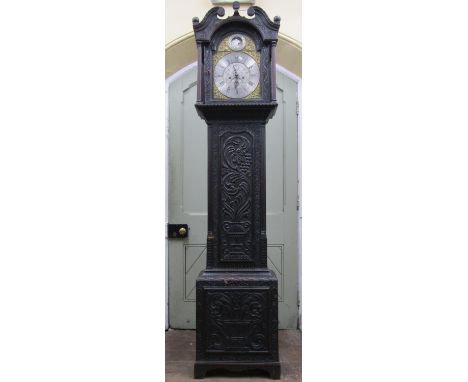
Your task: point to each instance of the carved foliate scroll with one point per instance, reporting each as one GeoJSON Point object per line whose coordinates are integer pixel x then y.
{"type": "Point", "coordinates": [237, 320]}
{"type": "Point", "coordinates": [236, 196]}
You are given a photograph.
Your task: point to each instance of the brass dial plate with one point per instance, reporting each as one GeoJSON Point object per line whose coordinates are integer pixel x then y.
{"type": "Point", "coordinates": [249, 51]}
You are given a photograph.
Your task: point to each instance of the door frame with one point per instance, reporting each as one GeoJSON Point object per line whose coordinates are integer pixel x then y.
{"type": "Point", "coordinates": [296, 79]}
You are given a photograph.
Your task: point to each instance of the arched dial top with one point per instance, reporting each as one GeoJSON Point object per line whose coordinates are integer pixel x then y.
{"type": "Point", "coordinates": [236, 72]}
{"type": "Point", "coordinates": [236, 75]}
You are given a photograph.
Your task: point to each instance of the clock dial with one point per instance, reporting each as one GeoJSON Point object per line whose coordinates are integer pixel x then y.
{"type": "Point", "coordinates": [236, 75]}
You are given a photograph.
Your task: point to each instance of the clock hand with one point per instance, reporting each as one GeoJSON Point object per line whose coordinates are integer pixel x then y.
{"type": "Point", "coordinates": [236, 77]}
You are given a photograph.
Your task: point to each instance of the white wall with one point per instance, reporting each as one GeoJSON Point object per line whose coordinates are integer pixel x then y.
{"type": "Point", "coordinates": [179, 16]}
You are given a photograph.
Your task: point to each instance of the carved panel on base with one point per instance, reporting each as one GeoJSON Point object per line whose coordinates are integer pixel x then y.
{"type": "Point", "coordinates": [237, 319]}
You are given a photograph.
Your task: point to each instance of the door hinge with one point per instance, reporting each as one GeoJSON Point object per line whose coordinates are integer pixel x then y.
{"type": "Point", "coordinates": [297, 107]}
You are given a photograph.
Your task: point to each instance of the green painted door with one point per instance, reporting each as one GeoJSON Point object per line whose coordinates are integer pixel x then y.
{"type": "Point", "coordinates": [188, 199]}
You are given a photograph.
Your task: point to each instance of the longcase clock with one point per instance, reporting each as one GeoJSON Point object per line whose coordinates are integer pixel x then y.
{"type": "Point", "coordinates": [236, 295]}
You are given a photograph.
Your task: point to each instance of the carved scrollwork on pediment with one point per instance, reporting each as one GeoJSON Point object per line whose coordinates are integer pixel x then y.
{"type": "Point", "coordinates": [205, 29]}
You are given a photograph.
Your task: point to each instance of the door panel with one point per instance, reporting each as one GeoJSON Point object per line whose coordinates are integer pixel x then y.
{"type": "Point", "coordinates": [188, 199]}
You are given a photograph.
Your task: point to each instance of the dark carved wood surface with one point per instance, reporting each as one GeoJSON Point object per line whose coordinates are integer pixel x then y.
{"type": "Point", "coordinates": [237, 316]}
{"type": "Point", "coordinates": [236, 202]}
{"type": "Point", "coordinates": [236, 296]}
{"type": "Point", "coordinates": [237, 319]}
{"type": "Point", "coordinates": [236, 196]}
{"type": "Point", "coordinates": [205, 29]}
{"type": "Point", "coordinates": [242, 112]}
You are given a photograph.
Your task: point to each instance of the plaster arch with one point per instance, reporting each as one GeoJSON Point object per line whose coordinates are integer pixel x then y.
{"type": "Point", "coordinates": [183, 51]}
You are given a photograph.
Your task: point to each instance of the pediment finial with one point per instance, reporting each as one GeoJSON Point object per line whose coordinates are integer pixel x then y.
{"type": "Point", "coordinates": [236, 7]}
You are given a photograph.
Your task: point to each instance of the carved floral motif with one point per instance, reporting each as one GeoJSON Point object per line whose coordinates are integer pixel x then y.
{"type": "Point", "coordinates": [236, 196]}
{"type": "Point", "coordinates": [235, 320]}
{"type": "Point", "coordinates": [236, 178]}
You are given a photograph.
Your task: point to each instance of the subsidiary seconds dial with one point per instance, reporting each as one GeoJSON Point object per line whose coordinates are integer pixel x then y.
{"type": "Point", "coordinates": [236, 75]}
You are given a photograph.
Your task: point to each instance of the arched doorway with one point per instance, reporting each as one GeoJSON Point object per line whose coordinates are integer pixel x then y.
{"type": "Point", "coordinates": [187, 196]}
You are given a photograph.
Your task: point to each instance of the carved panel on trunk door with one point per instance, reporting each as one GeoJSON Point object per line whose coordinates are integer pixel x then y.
{"type": "Point", "coordinates": [236, 196]}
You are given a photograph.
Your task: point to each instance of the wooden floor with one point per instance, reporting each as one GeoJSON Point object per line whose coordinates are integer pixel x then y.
{"type": "Point", "coordinates": [180, 357]}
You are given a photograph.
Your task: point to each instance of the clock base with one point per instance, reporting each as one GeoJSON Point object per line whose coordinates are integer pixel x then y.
{"type": "Point", "coordinates": [272, 368]}
{"type": "Point", "coordinates": [237, 321]}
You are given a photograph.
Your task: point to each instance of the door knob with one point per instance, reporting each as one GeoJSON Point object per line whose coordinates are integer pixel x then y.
{"type": "Point", "coordinates": [177, 231]}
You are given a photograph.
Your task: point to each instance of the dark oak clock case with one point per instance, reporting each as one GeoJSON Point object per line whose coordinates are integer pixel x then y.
{"type": "Point", "coordinates": [236, 296]}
